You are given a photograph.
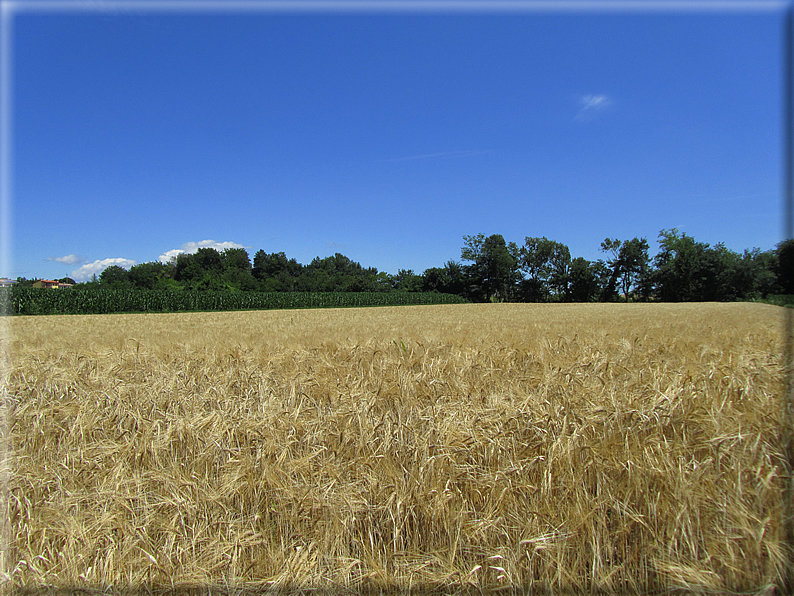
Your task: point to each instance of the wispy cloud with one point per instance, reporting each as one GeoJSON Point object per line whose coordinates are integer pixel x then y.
{"type": "Point", "coordinates": [67, 260]}
{"type": "Point", "coordinates": [592, 105]}
{"type": "Point", "coordinates": [88, 270]}
{"type": "Point", "coordinates": [443, 155]}
{"type": "Point", "coordinates": [191, 247]}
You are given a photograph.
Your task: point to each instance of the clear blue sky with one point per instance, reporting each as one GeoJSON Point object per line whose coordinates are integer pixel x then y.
{"type": "Point", "coordinates": [387, 136]}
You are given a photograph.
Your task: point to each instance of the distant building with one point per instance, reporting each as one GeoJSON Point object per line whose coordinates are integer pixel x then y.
{"type": "Point", "coordinates": [46, 283]}
{"type": "Point", "coordinates": [6, 283]}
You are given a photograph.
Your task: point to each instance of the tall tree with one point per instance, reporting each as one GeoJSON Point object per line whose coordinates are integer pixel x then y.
{"type": "Point", "coordinates": [187, 270]}
{"type": "Point", "coordinates": [634, 261]}
{"type": "Point", "coordinates": [785, 266]}
{"type": "Point", "coordinates": [449, 279]}
{"type": "Point", "coordinates": [582, 281]}
{"type": "Point", "coordinates": [338, 273]}
{"type": "Point", "coordinates": [679, 267]}
{"type": "Point", "coordinates": [275, 272]}
{"type": "Point", "coordinates": [610, 270]}
{"type": "Point", "coordinates": [433, 280]}
{"type": "Point", "coordinates": [546, 264]}
{"type": "Point", "coordinates": [765, 266]}
{"type": "Point", "coordinates": [455, 277]}
{"type": "Point", "coordinates": [146, 276]}
{"type": "Point", "coordinates": [209, 259]}
{"type": "Point", "coordinates": [629, 266]}
{"type": "Point", "coordinates": [115, 277]}
{"type": "Point", "coordinates": [494, 268]}
{"type": "Point", "coordinates": [407, 281]}
{"type": "Point", "coordinates": [236, 258]}
{"type": "Point", "coordinates": [687, 270]}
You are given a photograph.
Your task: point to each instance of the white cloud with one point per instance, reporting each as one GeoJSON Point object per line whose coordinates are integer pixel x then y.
{"type": "Point", "coordinates": [191, 247]}
{"type": "Point", "coordinates": [168, 255]}
{"type": "Point", "coordinates": [592, 104]}
{"type": "Point", "coordinates": [67, 260]}
{"type": "Point", "coordinates": [88, 270]}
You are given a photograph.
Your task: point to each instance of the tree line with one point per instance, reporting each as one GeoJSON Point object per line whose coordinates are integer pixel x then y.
{"type": "Point", "coordinates": [539, 270]}
{"type": "Point", "coordinates": [683, 270]}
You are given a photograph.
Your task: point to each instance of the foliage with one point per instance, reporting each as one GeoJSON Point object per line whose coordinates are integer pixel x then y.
{"type": "Point", "coordinates": [450, 278]}
{"type": "Point", "coordinates": [582, 281]}
{"type": "Point", "coordinates": [115, 277]}
{"type": "Point", "coordinates": [679, 274]}
{"type": "Point", "coordinates": [274, 272]}
{"type": "Point", "coordinates": [494, 267]}
{"type": "Point", "coordinates": [785, 266]}
{"type": "Point", "coordinates": [406, 281]}
{"type": "Point", "coordinates": [540, 270]}
{"type": "Point", "coordinates": [334, 273]}
{"type": "Point", "coordinates": [546, 264]}
{"type": "Point", "coordinates": [628, 267]}
{"type": "Point", "coordinates": [146, 276]}
{"type": "Point", "coordinates": [687, 270]}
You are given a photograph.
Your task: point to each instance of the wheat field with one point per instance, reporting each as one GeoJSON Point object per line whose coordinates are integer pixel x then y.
{"type": "Point", "coordinates": [612, 447]}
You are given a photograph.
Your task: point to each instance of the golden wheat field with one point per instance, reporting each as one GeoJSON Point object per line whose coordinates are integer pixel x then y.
{"type": "Point", "coordinates": [622, 447]}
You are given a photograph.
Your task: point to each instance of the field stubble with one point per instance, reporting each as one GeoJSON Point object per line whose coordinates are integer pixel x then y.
{"type": "Point", "coordinates": [570, 447]}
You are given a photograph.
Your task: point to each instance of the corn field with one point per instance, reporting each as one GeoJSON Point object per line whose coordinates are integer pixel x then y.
{"type": "Point", "coordinates": [40, 301]}
{"type": "Point", "coordinates": [459, 448]}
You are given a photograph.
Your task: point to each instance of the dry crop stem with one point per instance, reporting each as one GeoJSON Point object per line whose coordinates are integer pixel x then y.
{"type": "Point", "coordinates": [570, 447]}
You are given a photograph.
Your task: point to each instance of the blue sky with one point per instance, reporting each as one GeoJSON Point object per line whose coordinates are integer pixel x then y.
{"type": "Point", "coordinates": [387, 135]}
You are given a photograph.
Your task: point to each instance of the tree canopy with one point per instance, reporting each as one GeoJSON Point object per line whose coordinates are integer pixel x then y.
{"type": "Point", "coordinates": [539, 270]}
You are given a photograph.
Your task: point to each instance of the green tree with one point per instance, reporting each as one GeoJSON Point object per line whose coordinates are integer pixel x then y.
{"type": "Point", "coordinates": [239, 280]}
{"type": "Point", "coordinates": [629, 267]}
{"type": "Point", "coordinates": [455, 278]}
{"type": "Point", "coordinates": [765, 277]}
{"type": "Point", "coordinates": [582, 281]}
{"type": "Point", "coordinates": [785, 266]}
{"type": "Point", "coordinates": [275, 272]}
{"type": "Point", "coordinates": [680, 262]}
{"type": "Point", "coordinates": [546, 265]}
{"type": "Point", "coordinates": [691, 271]}
{"type": "Point", "coordinates": [494, 269]}
{"type": "Point", "coordinates": [209, 259]}
{"type": "Point", "coordinates": [433, 280]}
{"type": "Point", "coordinates": [634, 262]}
{"type": "Point", "coordinates": [383, 282]}
{"type": "Point", "coordinates": [145, 276]}
{"type": "Point", "coordinates": [209, 282]}
{"type": "Point", "coordinates": [407, 281]}
{"type": "Point", "coordinates": [168, 283]}
{"type": "Point", "coordinates": [237, 271]}
{"type": "Point", "coordinates": [449, 279]}
{"type": "Point", "coordinates": [187, 270]}
{"type": "Point", "coordinates": [605, 281]}
{"type": "Point", "coordinates": [202, 270]}
{"type": "Point", "coordinates": [337, 273]}
{"type": "Point", "coordinates": [734, 276]}
{"type": "Point", "coordinates": [236, 258]}
{"type": "Point", "coordinates": [115, 277]}
{"type": "Point", "coordinates": [610, 270]}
